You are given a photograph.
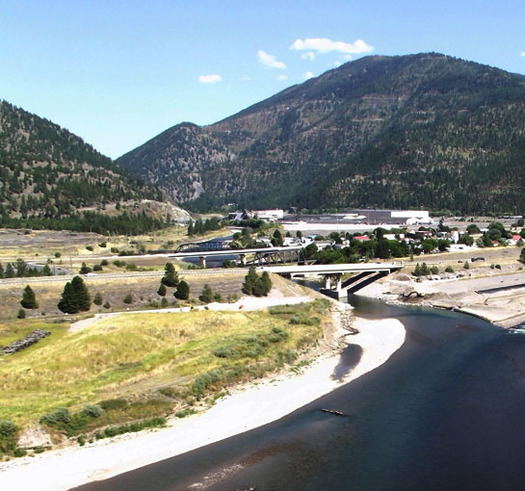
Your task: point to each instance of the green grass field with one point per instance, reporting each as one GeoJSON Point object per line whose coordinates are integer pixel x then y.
{"type": "Point", "coordinates": [162, 362]}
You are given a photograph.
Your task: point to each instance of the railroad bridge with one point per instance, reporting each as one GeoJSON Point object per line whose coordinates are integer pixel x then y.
{"type": "Point", "coordinates": [257, 256]}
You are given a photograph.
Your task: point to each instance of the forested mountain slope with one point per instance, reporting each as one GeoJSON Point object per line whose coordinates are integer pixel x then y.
{"type": "Point", "coordinates": [424, 130]}
{"type": "Point", "coordinates": [47, 173]}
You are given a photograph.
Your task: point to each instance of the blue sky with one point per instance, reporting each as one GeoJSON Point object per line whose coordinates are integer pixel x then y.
{"type": "Point", "coordinates": [118, 73]}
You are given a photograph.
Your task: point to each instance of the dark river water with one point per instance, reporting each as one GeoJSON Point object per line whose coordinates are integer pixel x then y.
{"type": "Point", "coordinates": [446, 412]}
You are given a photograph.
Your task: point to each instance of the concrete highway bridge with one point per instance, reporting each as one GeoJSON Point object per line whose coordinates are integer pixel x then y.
{"type": "Point", "coordinates": [362, 274]}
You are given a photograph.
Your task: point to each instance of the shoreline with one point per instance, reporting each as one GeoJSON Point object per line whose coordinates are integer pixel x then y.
{"type": "Point", "coordinates": [245, 409]}
{"type": "Point", "coordinates": [504, 306]}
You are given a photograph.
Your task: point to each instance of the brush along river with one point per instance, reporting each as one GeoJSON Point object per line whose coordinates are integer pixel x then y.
{"type": "Point", "coordinates": [444, 412]}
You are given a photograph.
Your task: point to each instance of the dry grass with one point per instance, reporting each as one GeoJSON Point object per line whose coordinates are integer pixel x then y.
{"type": "Point", "coordinates": [135, 355]}
{"type": "Point", "coordinates": [113, 290]}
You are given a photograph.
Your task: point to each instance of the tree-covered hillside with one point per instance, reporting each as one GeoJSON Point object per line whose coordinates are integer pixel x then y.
{"type": "Point", "coordinates": [48, 177]}
{"type": "Point", "coordinates": [423, 130]}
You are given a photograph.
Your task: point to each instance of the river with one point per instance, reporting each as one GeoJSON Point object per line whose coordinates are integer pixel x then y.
{"type": "Point", "coordinates": [446, 412]}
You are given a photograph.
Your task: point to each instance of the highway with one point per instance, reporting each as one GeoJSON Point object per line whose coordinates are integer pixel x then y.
{"type": "Point", "coordinates": [93, 277]}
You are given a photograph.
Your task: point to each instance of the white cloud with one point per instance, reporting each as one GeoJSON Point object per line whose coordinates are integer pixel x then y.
{"type": "Point", "coordinates": [324, 45]}
{"type": "Point", "coordinates": [246, 78]}
{"type": "Point", "coordinates": [310, 56]}
{"type": "Point", "coordinates": [282, 77]}
{"type": "Point", "coordinates": [210, 79]}
{"type": "Point", "coordinates": [522, 53]}
{"type": "Point", "coordinates": [269, 60]}
{"type": "Point", "coordinates": [308, 75]}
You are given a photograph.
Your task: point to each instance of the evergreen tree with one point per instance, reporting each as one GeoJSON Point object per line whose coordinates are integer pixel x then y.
{"type": "Point", "coordinates": [75, 297]}
{"type": "Point", "coordinates": [267, 282]}
{"type": "Point", "coordinates": [84, 269]}
{"type": "Point", "coordinates": [249, 281]}
{"type": "Point", "coordinates": [2, 274]}
{"type": "Point", "coordinates": [277, 239]}
{"type": "Point", "coordinates": [206, 295]}
{"type": "Point", "coordinates": [162, 290]}
{"type": "Point", "coordinates": [97, 299]}
{"type": "Point", "coordinates": [191, 229]}
{"type": "Point", "coordinates": [21, 268]}
{"type": "Point", "coordinates": [183, 291]}
{"type": "Point", "coordinates": [258, 289]}
{"type": "Point", "coordinates": [170, 277]}
{"type": "Point", "coordinates": [29, 299]}
{"type": "Point", "coordinates": [9, 271]}
{"type": "Point", "coordinates": [522, 255]}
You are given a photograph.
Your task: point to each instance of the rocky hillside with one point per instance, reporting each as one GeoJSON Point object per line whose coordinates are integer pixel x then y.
{"type": "Point", "coordinates": [47, 173]}
{"type": "Point", "coordinates": [423, 130]}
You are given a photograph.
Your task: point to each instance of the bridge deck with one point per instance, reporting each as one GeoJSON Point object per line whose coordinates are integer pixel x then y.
{"type": "Point", "coordinates": [324, 269]}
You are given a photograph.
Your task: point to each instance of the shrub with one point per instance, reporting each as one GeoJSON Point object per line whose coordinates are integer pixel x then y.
{"type": "Point", "coordinates": [60, 415]}
{"type": "Point", "coordinates": [97, 267]}
{"type": "Point", "coordinates": [449, 269]}
{"type": "Point", "coordinates": [106, 305]}
{"type": "Point", "coordinates": [91, 410]}
{"type": "Point", "coordinates": [112, 404]}
{"type": "Point", "coordinates": [104, 262]}
{"type": "Point", "coordinates": [21, 314]}
{"type": "Point", "coordinates": [128, 299]}
{"type": "Point", "coordinates": [7, 428]}
{"type": "Point", "coordinates": [185, 412]}
{"type": "Point", "coordinates": [97, 299]}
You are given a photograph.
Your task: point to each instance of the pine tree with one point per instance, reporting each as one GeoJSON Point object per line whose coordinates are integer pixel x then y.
{"type": "Point", "coordinates": [267, 282]}
{"type": "Point", "coordinates": [258, 288]}
{"type": "Point", "coordinates": [183, 291]}
{"type": "Point", "coordinates": [206, 295]}
{"type": "Point", "coordinates": [170, 277]}
{"type": "Point", "coordinates": [75, 297]}
{"type": "Point", "coordinates": [29, 299]}
{"type": "Point", "coordinates": [162, 290]}
{"type": "Point", "coordinates": [249, 281]}
{"type": "Point", "coordinates": [9, 271]}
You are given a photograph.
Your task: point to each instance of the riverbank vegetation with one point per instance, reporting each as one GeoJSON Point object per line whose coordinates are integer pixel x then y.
{"type": "Point", "coordinates": [128, 369]}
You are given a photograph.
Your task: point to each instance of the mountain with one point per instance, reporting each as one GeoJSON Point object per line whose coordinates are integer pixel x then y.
{"type": "Point", "coordinates": [424, 130]}
{"type": "Point", "coordinates": [47, 173]}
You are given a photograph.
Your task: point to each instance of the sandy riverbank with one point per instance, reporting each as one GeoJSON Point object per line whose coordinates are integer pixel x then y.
{"type": "Point", "coordinates": [496, 298]}
{"type": "Point", "coordinates": [245, 409]}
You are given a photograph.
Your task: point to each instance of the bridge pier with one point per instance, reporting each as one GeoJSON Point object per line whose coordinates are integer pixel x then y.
{"type": "Point", "coordinates": [202, 262]}
{"type": "Point", "coordinates": [242, 259]}
{"type": "Point", "coordinates": [332, 285]}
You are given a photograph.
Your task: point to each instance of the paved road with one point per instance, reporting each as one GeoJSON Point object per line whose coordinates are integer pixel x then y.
{"type": "Point", "coordinates": [123, 276]}
{"type": "Point", "coordinates": [516, 280]}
